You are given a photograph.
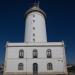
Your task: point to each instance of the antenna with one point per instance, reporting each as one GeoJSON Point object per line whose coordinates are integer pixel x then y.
{"type": "Point", "coordinates": [34, 3]}
{"type": "Point", "coordinates": [38, 3]}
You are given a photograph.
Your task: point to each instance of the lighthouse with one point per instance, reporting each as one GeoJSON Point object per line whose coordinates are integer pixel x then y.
{"type": "Point", "coordinates": [35, 30]}
{"type": "Point", "coordinates": [35, 56]}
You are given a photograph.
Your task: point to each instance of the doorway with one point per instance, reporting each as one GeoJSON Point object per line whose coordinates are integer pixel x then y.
{"type": "Point", "coordinates": [35, 69]}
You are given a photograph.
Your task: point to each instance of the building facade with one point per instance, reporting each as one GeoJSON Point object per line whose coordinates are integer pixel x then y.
{"type": "Point", "coordinates": [35, 56]}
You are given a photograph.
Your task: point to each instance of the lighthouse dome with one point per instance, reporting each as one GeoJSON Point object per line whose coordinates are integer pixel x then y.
{"type": "Point", "coordinates": [35, 8]}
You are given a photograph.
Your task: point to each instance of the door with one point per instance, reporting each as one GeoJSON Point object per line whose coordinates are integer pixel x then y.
{"type": "Point", "coordinates": [35, 69]}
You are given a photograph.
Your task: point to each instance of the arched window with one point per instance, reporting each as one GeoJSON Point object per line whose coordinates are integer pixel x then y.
{"type": "Point", "coordinates": [21, 53]}
{"type": "Point", "coordinates": [49, 66]}
{"type": "Point", "coordinates": [49, 53]}
{"type": "Point", "coordinates": [20, 66]}
{"type": "Point", "coordinates": [35, 53]}
{"type": "Point", "coordinates": [33, 39]}
{"type": "Point", "coordinates": [35, 69]}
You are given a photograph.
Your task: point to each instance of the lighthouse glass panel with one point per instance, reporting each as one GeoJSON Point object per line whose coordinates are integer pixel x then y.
{"type": "Point", "coordinates": [21, 53]}
{"type": "Point", "coordinates": [35, 53]}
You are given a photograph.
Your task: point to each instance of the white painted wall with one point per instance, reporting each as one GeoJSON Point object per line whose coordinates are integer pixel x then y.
{"type": "Point", "coordinates": [12, 65]}
{"type": "Point", "coordinates": [57, 52]}
{"type": "Point", "coordinates": [58, 59]}
{"type": "Point", "coordinates": [58, 66]}
{"type": "Point", "coordinates": [40, 28]}
{"type": "Point", "coordinates": [13, 52]}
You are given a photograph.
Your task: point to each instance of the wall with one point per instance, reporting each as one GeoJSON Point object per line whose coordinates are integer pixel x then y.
{"type": "Point", "coordinates": [58, 59]}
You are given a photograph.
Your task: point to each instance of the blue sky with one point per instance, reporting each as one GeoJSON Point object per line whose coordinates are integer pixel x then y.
{"type": "Point", "coordinates": [60, 23]}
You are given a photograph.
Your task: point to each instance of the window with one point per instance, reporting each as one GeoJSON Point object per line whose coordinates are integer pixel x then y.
{"type": "Point", "coordinates": [35, 69]}
{"type": "Point", "coordinates": [33, 40]}
{"type": "Point", "coordinates": [33, 15]}
{"type": "Point", "coordinates": [35, 53]}
{"type": "Point", "coordinates": [21, 53]}
{"type": "Point", "coordinates": [49, 53]}
{"type": "Point", "coordinates": [33, 28]}
{"type": "Point", "coordinates": [49, 66]}
{"type": "Point", "coordinates": [20, 66]}
{"type": "Point", "coordinates": [33, 20]}
{"type": "Point", "coordinates": [33, 34]}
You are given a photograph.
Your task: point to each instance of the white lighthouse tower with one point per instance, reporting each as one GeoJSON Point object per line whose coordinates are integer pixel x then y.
{"type": "Point", "coordinates": [35, 25]}
{"type": "Point", "coordinates": [35, 56]}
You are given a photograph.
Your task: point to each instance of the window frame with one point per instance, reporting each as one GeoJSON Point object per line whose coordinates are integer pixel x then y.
{"type": "Point", "coordinates": [20, 66]}
{"type": "Point", "coordinates": [21, 53]}
{"type": "Point", "coordinates": [33, 39]}
{"type": "Point", "coordinates": [49, 53]}
{"type": "Point", "coordinates": [35, 53]}
{"type": "Point", "coordinates": [49, 66]}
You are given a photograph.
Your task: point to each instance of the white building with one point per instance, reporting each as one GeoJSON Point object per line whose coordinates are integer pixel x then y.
{"type": "Point", "coordinates": [35, 56]}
